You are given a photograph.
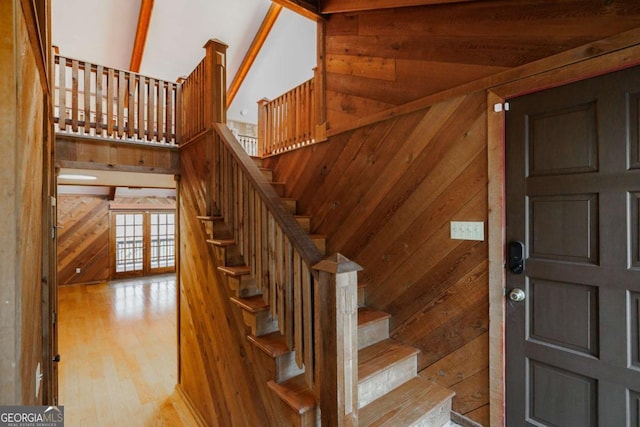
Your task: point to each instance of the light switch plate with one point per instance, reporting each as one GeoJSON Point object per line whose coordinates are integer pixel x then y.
{"type": "Point", "coordinates": [467, 230]}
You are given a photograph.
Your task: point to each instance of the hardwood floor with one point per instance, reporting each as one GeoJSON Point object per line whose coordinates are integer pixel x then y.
{"type": "Point", "coordinates": [117, 341]}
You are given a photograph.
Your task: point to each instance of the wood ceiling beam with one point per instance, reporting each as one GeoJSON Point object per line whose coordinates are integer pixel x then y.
{"type": "Point", "coordinates": [308, 9]}
{"type": "Point", "coordinates": [257, 43]}
{"type": "Point", "coordinates": [341, 6]}
{"type": "Point", "coordinates": [146, 7]}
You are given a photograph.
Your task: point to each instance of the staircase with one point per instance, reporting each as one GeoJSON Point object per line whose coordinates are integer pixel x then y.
{"type": "Point", "coordinates": [390, 393]}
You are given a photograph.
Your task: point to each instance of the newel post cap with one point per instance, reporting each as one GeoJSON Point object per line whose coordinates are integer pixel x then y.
{"type": "Point", "coordinates": [216, 44]}
{"type": "Point", "coordinates": [337, 263]}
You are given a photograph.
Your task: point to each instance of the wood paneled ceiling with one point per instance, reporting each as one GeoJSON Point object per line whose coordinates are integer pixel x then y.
{"type": "Point", "coordinates": [317, 8]}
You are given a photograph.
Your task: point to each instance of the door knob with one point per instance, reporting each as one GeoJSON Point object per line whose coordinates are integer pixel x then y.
{"type": "Point", "coordinates": [517, 295]}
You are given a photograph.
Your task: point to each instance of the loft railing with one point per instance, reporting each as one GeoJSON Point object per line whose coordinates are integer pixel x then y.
{"type": "Point", "coordinates": [101, 101]}
{"type": "Point", "coordinates": [204, 92]}
{"type": "Point", "coordinates": [290, 121]}
{"type": "Point", "coordinates": [249, 143]}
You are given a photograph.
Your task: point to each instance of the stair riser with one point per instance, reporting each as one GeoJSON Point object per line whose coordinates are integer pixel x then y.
{"type": "Point", "coordinates": [286, 367]}
{"type": "Point", "coordinates": [244, 286]}
{"type": "Point", "coordinates": [373, 333]}
{"type": "Point", "coordinates": [290, 205]}
{"type": "Point", "coordinates": [304, 222]}
{"type": "Point", "coordinates": [228, 256]}
{"type": "Point", "coordinates": [386, 380]}
{"type": "Point", "coordinates": [261, 323]}
{"type": "Point", "coordinates": [321, 244]}
{"type": "Point", "coordinates": [279, 187]}
{"type": "Point", "coordinates": [418, 402]}
{"type": "Point", "coordinates": [310, 418]}
{"type": "Point", "coordinates": [437, 417]}
{"type": "Point", "coordinates": [267, 173]}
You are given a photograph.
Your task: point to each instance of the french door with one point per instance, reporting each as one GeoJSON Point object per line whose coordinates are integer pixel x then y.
{"type": "Point", "coordinates": [142, 243]}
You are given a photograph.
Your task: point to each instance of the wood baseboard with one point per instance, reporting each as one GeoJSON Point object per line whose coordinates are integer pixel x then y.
{"type": "Point", "coordinates": [190, 407]}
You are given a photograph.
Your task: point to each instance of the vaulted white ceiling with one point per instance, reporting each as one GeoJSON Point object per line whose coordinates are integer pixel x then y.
{"type": "Point", "coordinates": [103, 32]}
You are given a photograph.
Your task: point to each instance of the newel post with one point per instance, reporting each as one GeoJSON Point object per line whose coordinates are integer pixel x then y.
{"type": "Point", "coordinates": [337, 340]}
{"type": "Point", "coordinates": [215, 110]}
{"type": "Point", "coordinates": [262, 126]}
{"type": "Point", "coordinates": [319, 107]}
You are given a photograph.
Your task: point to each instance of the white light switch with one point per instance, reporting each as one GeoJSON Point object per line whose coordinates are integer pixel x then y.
{"type": "Point", "coordinates": [467, 230]}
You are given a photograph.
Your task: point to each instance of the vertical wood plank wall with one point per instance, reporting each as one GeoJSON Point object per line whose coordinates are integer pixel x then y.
{"type": "Point", "coordinates": [380, 59]}
{"type": "Point", "coordinates": [21, 178]}
{"type": "Point", "coordinates": [221, 372]}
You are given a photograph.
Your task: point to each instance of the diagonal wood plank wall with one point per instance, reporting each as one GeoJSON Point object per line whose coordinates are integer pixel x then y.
{"type": "Point", "coordinates": [384, 196]}
{"type": "Point", "coordinates": [83, 239]}
{"type": "Point", "coordinates": [380, 59]}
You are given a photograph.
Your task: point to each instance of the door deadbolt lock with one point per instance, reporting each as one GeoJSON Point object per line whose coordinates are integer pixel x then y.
{"type": "Point", "coordinates": [517, 295]}
{"type": "Point", "coordinates": [516, 257]}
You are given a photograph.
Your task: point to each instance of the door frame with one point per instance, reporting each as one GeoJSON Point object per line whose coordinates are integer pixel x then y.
{"type": "Point", "coordinates": [618, 52]}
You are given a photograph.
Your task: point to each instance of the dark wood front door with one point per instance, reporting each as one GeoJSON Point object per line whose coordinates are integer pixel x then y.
{"type": "Point", "coordinates": [573, 200]}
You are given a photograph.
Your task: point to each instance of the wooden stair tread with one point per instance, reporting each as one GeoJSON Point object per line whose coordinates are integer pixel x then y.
{"type": "Point", "coordinates": [381, 356]}
{"type": "Point", "coordinates": [295, 393]}
{"type": "Point", "coordinates": [367, 315]}
{"type": "Point", "coordinates": [252, 304]}
{"type": "Point", "coordinates": [405, 404]}
{"type": "Point", "coordinates": [274, 344]}
{"type": "Point", "coordinates": [235, 271]}
{"type": "Point", "coordinates": [209, 217]}
{"type": "Point", "coordinates": [221, 242]}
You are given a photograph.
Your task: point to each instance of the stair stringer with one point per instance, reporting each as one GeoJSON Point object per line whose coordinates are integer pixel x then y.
{"type": "Point", "coordinates": [219, 369]}
{"type": "Point", "coordinates": [262, 366]}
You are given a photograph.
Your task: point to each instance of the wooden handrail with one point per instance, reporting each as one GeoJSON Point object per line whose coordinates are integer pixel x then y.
{"type": "Point", "coordinates": [103, 101]}
{"type": "Point", "coordinates": [290, 227]}
{"type": "Point", "coordinates": [313, 299]}
{"type": "Point", "coordinates": [280, 253]}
